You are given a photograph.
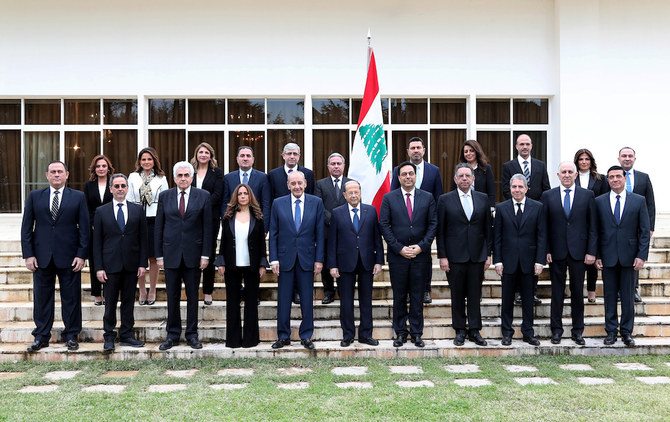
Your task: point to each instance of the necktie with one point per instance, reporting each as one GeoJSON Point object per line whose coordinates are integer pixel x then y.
{"type": "Point", "coordinates": [617, 210]}
{"type": "Point", "coordinates": [629, 187]}
{"type": "Point", "coordinates": [290, 170]}
{"type": "Point", "coordinates": [182, 204]}
{"type": "Point", "coordinates": [409, 207]}
{"type": "Point", "coordinates": [356, 220]}
{"type": "Point", "coordinates": [54, 206]}
{"type": "Point", "coordinates": [467, 207]}
{"type": "Point", "coordinates": [566, 202]}
{"type": "Point", "coordinates": [338, 192]}
{"type": "Point", "coordinates": [297, 215]}
{"type": "Point", "coordinates": [120, 218]}
{"type": "Point", "coordinates": [526, 171]}
{"type": "Point", "coordinates": [519, 214]}
{"type": "Point", "coordinates": [419, 177]}
{"type": "Point", "coordinates": [245, 178]}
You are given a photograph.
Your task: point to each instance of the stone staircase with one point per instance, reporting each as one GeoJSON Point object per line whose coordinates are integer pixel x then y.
{"type": "Point", "coordinates": [652, 323]}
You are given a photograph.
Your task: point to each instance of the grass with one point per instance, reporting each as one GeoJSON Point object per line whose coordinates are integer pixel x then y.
{"type": "Point", "coordinates": [626, 399]}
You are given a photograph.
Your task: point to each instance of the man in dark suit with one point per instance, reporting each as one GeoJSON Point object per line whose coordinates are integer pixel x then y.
{"type": "Point", "coordinates": [537, 181]}
{"type": "Point", "coordinates": [183, 242]}
{"type": "Point", "coordinates": [257, 180]}
{"type": "Point", "coordinates": [296, 256]}
{"type": "Point", "coordinates": [120, 248]}
{"type": "Point", "coordinates": [638, 182]}
{"type": "Point", "coordinates": [355, 251]}
{"type": "Point", "coordinates": [519, 245]}
{"type": "Point", "coordinates": [54, 240]}
{"type": "Point", "coordinates": [428, 179]}
{"type": "Point", "coordinates": [278, 177]}
{"type": "Point", "coordinates": [408, 222]}
{"type": "Point", "coordinates": [623, 247]}
{"type": "Point", "coordinates": [330, 189]}
{"type": "Point", "coordinates": [464, 243]}
{"type": "Point", "coordinates": [572, 244]}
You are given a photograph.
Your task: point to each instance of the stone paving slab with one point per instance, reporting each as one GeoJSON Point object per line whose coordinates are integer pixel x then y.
{"type": "Point", "coordinates": [293, 385]}
{"type": "Point", "coordinates": [406, 370]}
{"type": "Point", "coordinates": [462, 369]}
{"type": "Point", "coordinates": [355, 385]}
{"type": "Point", "coordinates": [104, 388]}
{"type": "Point", "coordinates": [472, 382]}
{"type": "Point", "coordinates": [235, 372]}
{"type": "Point", "coordinates": [576, 367]}
{"type": "Point", "coordinates": [228, 387]}
{"type": "Point", "coordinates": [534, 381]}
{"type": "Point", "coordinates": [654, 380]}
{"type": "Point", "coordinates": [119, 374]}
{"type": "Point", "coordinates": [415, 384]}
{"type": "Point", "coordinates": [9, 375]}
{"type": "Point", "coordinates": [61, 375]}
{"type": "Point", "coordinates": [519, 368]}
{"type": "Point", "coordinates": [39, 388]}
{"type": "Point", "coordinates": [632, 367]}
{"type": "Point", "coordinates": [165, 388]}
{"type": "Point", "coordinates": [594, 380]}
{"type": "Point", "coordinates": [350, 370]}
{"type": "Point", "coordinates": [294, 370]}
{"type": "Point", "coordinates": [182, 373]}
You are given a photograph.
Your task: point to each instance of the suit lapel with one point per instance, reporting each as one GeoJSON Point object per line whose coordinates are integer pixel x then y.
{"type": "Point", "coordinates": [362, 217]}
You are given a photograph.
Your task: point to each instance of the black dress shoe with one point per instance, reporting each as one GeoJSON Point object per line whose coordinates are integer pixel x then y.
{"type": "Point", "coordinates": [143, 302]}
{"type": "Point", "coordinates": [369, 341]}
{"type": "Point", "coordinates": [477, 338]}
{"type": "Point", "coordinates": [418, 342]}
{"type": "Point", "coordinates": [531, 340]}
{"type": "Point", "coordinates": [37, 345]}
{"type": "Point", "coordinates": [628, 340]}
{"type": "Point", "coordinates": [400, 340]}
{"type": "Point", "coordinates": [131, 342]}
{"type": "Point", "coordinates": [307, 343]}
{"type": "Point", "coordinates": [346, 342]}
{"type": "Point", "coordinates": [610, 339]}
{"type": "Point", "coordinates": [537, 300]}
{"type": "Point", "coordinates": [517, 300]}
{"type": "Point", "coordinates": [194, 343]}
{"type": "Point", "coordinates": [459, 339]}
{"type": "Point", "coordinates": [168, 344]}
{"type": "Point", "coordinates": [577, 338]}
{"type": "Point", "coordinates": [207, 302]}
{"type": "Point", "coordinates": [427, 298]}
{"type": "Point", "coordinates": [555, 338]}
{"type": "Point", "coordinates": [150, 302]}
{"type": "Point", "coordinates": [296, 298]}
{"type": "Point", "coordinates": [98, 303]}
{"type": "Point", "coordinates": [72, 345]}
{"type": "Point", "coordinates": [108, 346]}
{"type": "Point", "coordinates": [506, 340]}
{"type": "Point", "coordinates": [592, 300]}
{"type": "Point", "coordinates": [637, 298]}
{"type": "Point", "coordinates": [328, 298]}
{"type": "Point", "coordinates": [281, 343]}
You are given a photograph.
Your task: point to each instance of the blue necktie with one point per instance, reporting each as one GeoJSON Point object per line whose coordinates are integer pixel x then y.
{"type": "Point", "coordinates": [629, 187]}
{"type": "Point", "coordinates": [356, 220]}
{"type": "Point", "coordinates": [120, 218]}
{"type": "Point", "coordinates": [297, 215]}
{"type": "Point", "coordinates": [617, 210]}
{"type": "Point", "coordinates": [467, 207]}
{"type": "Point", "coordinates": [566, 202]}
{"type": "Point", "coordinates": [245, 178]}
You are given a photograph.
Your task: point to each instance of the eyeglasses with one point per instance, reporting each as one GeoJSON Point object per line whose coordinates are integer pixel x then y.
{"type": "Point", "coordinates": [119, 186]}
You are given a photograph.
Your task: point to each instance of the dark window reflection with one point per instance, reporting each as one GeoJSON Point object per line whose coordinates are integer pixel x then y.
{"type": "Point", "coordinates": [246, 111]}
{"type": "Point", "coordinates": [207, 111]}
{"type": "Point", "coordinates": [80, 148]}
{"type": "Point", "coordinates": [539, 139]}
{"type": "Point", "coordinates": [40, 149]}
{"type": "Point", "coordinates": [276, 141]}
{"type": "Point", "coordinates": [409, 110]}
{"type": "Point", "coordinates": [10, 112]}
{"type": "Point", "coordinates": [330, 111]}
{"type": "Point", "coordinates": [82, 112]}
{"type": "Point", "coordinates": [327, 142]}
{"type": "Point", "coordinates": [496, 146]}
{"type": "Point", "coordinates": [120, 112]}
{"type": "Point", "coordinates": [492, 111]}
{"type": "Point", "coordinates": [531, 111]}
{"type": "Point", "coordinates": [447, 110]}
{"type": "Point", "coordinates": [356, 109]}
{"type": "Point", "coordinates": [445, 152]}
{"type": "Point", "coordinates": [253, 139]}
{"type": "Point", "coordinates": [286, 111]}
{"type": "Point", "coordinates": [400, 139]}
{"type": "Point", "coordinates": [42, 112]}
{"type": "Point", "coordinates": [10, 171]}
{"type": "Point", "coordinates": [167, 111]}
{"type": "Point", "coordinates": [171, 147]}
{"type": "Point", "coordinates": [120, 146]}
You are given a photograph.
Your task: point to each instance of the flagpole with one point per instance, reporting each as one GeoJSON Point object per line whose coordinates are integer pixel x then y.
{"type": "Point", "coordinates": [369, 47]}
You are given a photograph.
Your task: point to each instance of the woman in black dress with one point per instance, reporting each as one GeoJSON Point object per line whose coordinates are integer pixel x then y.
{"type": "Point", "coordinates": [208, 176]}
{"type": "Point", "coordinates": [97, 193]}
{"type": "Point", "coordinates": [473, 154]}
{"type": "Point", "coordinates": [242, 257]}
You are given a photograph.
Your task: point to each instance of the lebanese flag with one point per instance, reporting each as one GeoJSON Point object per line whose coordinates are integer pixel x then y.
{"type": "Point", "coordinates": [370, 162]}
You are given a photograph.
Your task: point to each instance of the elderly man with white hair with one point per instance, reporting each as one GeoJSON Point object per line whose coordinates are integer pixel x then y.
{"type": "Point", "coordinates": [183, 238]}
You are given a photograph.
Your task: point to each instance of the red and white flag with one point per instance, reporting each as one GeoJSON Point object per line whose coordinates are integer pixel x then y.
{"type": "Point", "coordinates": [370, 162]}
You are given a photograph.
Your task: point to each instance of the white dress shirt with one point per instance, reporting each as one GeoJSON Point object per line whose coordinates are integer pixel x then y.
{"type": "Point", "coordinates": [248, 172]}
{"type": "Point", "coordinates": [411, 197]}
{"type": "Point", "coordinates": [187, 195]}
{"type": "Point", "coordinates": [572, 194]}
{"type": "Point", "coordinates": [101, 191]}
{"type": "Point", "coordinates": [622, 201]}
{"type": "Point", "coordinates": [116, 210]}
{"type": "Point", "coordinates": [51, 196]}
{"type": "Point", "coordinates": [521, 160]}
{"type": "Point", "coordinates": [242, 258]}
{"type": "Point", "coordinates": [351, 213]}
{"type": "Point", "coordinates": [301, 205]}
{"type": "Point", "coordinates": [466, 197]}
{"type": "Point", "coordinates": [584, 179]}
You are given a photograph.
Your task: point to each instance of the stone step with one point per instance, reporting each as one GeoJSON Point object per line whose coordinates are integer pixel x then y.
{"type": "Point", "coordinates": [434, 329]}
{"type": "Point", "coordinates": [57, 352]}
{"type": "Point", "coordinates": [381, 309]}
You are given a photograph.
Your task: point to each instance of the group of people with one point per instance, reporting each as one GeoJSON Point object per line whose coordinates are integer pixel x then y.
{"type": "Point", "coordinates": [130, 226]}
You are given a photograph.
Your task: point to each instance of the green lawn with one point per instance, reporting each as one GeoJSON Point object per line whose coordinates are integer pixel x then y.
{"type": "Point", "coordinates": [626, 399]}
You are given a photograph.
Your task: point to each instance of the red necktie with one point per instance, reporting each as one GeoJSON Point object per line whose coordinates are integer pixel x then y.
{"type": "Point", "coordinates": [409, 207]}
{"type": "Point", "coordinates": [182, 205]}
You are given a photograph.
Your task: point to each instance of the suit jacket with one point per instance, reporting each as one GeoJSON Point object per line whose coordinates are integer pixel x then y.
{"type": "Point", "coordinates": [430, 182]}
{"type": "Point", "coordinates": [399, 231]}
{"type": "Point", "coordinates": [187, 238]}
{"type": "Point", "coordinates": [459, 239]}
{"type": "Point", "coordinates": [642, 186]}
{"type": "Point", "coordinates": [539, 179]}
{"type": "Point", "coordinates": [305, 246]}
{"type": "Point", "coordinates": [520, 246]}
{"type": "Point", "coordinates": [258, 181]}
{"type": "Point", "coordinates": [278, 178]}
{"type": "Point", "coordinates": [575, 235]}
{"type": "Point", "coordinates": [93, 197]}
{"type": "Point", "coordinates": [484, 183]}
{"type": "Point", "coordinates": [597, 186]}
{"type": "Point", "coordinates": [115, 250]}
{"type": "Point", "coordinates": [630, 239]}
{"type": "Point", "coordinates": [326, 191]}
{"type": "Point", "coordinates": [61, 240]}
{"type": "Point", "coordinates": [255, 241]}
{"type": "Point", "coordinates": [213, 183]}
{"type": "Point", "coordinates": [344, 239]}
